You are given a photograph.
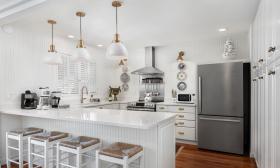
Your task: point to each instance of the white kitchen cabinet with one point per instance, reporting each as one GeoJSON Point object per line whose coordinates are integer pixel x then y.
{"type": "Point", "coordinates": [185, 120]}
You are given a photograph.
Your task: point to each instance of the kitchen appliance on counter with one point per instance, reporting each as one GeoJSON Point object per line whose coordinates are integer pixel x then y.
{"type": "Point", "coordinates": [151, 79]}
{"type": "Point", "coordinates": [55, 99]}
{"type": "Point", "coordinates": [142, 106]}
{"type": "Point", "coordinates": [185, 98]}
{"type": "Point", "coordinates": [44, 99]}
{"type": "Point", "coordinates": [224, 107]}
{"type": "Point", "coordinates": [29, 100]}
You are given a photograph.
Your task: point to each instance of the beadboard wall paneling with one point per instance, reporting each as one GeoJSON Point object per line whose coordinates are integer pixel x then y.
{"type": "Point", "coordinates": [22, 67]}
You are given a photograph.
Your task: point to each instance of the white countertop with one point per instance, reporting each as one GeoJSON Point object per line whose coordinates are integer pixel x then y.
{"type": "Point", "coordinates": [102, 103]}
{"type": "Point", "coordinates": [170, 103]}
{"type": "Point", "coordinates": [119, 118]}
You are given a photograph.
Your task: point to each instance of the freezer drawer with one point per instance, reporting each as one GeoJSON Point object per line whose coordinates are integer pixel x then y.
{"type": "Point", "coordinates": [224, 134]}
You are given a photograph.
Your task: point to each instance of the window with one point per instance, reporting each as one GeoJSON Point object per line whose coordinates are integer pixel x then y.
{"type": "Point", "coordinates": [72, 76]}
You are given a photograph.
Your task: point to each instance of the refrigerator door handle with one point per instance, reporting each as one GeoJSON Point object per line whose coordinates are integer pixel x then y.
{"type": "Point", "coordinates": [222, 120]}
{"type": "Point", "coordinates": [199, 95]}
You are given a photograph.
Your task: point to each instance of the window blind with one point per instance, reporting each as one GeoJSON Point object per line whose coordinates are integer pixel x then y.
{"type": "Point", "coordinates": [72, 76]}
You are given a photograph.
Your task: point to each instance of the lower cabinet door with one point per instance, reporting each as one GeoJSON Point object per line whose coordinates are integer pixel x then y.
{"type": "Point", "coordinates": [185, 133]}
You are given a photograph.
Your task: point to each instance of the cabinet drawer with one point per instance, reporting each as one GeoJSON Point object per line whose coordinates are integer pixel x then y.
{"type": "Point", "coordinates": [185, 116]}
{"type": "Point", "coordinates": [182, 109]}
{"type": "Point", "coordinates": [162, 108]}
{"type": "Point", "coordinates": [185, 123]}
{"type": "Point", "coordinates": [185, 133]}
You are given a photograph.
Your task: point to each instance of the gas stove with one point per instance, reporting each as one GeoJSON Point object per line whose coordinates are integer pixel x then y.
{"type": "Point", "coordinates": [142, 106]}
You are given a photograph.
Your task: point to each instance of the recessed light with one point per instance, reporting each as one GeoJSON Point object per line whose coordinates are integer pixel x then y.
{"type": "Point", "coordinates": [71, 36]}
{"type": "Point", "coordinates": [222, 29]}
{"type": "Point", "coordinates": [99, 45]}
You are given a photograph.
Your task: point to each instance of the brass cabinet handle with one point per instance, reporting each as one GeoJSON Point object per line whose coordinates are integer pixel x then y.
{"type": "Point", "coordinates": [261, 60]}
{"type": "Point", "coordinates": [100, 107]}
{"type": "Point", "coordinates": [181, 123]}
{"type": "Point", "coordinates": [162, 108]}
{"type": "Point", "coordinates": [271, 73]}
{"type": "Point", "coordinates": [271, 49]}
{"type": "Point", "coordinates": [181, 133]}
{"type": "Point", "coordinates": [255, 67]}
{"type": "Point", "coordinates": [254, 80]}
{"type": "Point", "coordinates": [261, 77]}
{"type": "Point", "coordinates": [181, 109]}
{"type": "Point", "coordinates": [181, 116]}
{"type": "Point", "coordinates": [176, 124]}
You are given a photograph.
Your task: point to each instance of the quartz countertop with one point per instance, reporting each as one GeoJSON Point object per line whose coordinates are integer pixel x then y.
{"type": "Point", "coordinates": [119, 118]}
{"type": "Point", "coordinates": [170, 103]}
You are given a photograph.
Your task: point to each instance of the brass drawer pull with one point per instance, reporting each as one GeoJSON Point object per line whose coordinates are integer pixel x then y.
{"type": "Point", "coordinates": [162, 108]}
{"type": "Point", "coordinates": [261, 60]}
{"type": "Point", "coordinates": [100, 107]}
{"type": "Point", "coordinates": [181, 109]}
{"type": "Point", "coordinates": [254, 80]}
{"type": "Point", "coordinates": [181, 116]}
{"type": "Point", "coordinates": [261, 77]}
{"type": "Point", "coordinates": [271, 73]}
{"type": "Point", "coordinates": [181, 133]}
{"type": "Point", "coordinates": [255, 67]}
{"type": "Point", "coordinates": [181, 123]}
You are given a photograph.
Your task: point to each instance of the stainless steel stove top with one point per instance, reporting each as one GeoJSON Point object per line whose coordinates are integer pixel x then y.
{"type": "Point", "coordinates": [142, 106]}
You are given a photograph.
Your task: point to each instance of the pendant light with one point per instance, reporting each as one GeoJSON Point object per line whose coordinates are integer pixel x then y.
{"type": "Point", "coordinates": [116, 50]}
{"type": "Point", "coordinates": [53, 58]}
{"type": "Point", "coordinates": [81, 51]}
{"type": "Point", "coordinates": [180, 57]}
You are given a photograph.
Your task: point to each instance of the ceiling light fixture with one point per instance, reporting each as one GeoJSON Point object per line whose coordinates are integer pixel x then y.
{"type": "Point", "coordinates": [222, 29]}
{"type": "Point", "coordinates": [100, 45]}
{"type": "Point", "coordinates": [53, 58]}
{"type": "Point", "coordinates": [116, 50]}
{"type": "Point", "coordinates": [82, 53]}
{"type": "Point", "coordinates": [71, 36]}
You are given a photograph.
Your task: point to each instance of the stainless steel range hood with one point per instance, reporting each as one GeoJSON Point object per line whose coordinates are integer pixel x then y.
{"type": "Point", "coordinates": [150, 68]}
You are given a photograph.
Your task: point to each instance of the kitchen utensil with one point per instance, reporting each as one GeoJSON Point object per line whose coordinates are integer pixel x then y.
{"type": "Point", "coordinates": [181, 66]}
{"type": "Point", "coordinates": [181, 76]}
{"type": "Point", "coordinates": [29, 100]}
{"type": "Point", "coordinates": [182, 86]}
{"type": "Point", "coordinates": [125, 77]}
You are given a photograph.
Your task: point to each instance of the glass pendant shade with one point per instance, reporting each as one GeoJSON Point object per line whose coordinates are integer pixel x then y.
{"type": "Point", "coordinates": [81, 54]}
{"type": "Point", "coordinates": [53, 58]}
{"type": "Point", "coordinates": [117, 51]}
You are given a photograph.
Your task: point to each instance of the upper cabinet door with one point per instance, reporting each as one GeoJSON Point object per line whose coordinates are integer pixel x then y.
{"type": "Point", "coordinates": [276, 23]}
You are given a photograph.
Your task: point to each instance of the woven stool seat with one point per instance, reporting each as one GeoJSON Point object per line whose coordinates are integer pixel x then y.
{"type": "Point", "coordinates": [121, 150]}
{"type": "Point", "coordinates": [27, 131]}
{"type": "Point", "coordinates": [81, 141]}
{"type": "Point", "coordinates": [50, 136]}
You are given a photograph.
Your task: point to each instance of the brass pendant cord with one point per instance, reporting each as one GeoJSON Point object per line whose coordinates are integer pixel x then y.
{"type": "Point", "coordinates": [52, 34]}
{"type": "Point", "coordinates": [117, 20]}
{"type": "Point", "coordinates": [81, 28]}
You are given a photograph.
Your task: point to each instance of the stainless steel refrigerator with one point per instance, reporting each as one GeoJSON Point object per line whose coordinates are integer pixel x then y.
{"type": "Point", "coordinates": [224, 107]}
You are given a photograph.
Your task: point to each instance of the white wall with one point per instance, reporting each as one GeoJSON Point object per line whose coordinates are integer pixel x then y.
{"type": "Point", "coordinates": [196, 52]}
{"type": "Point", "coordinates": [22, 67]}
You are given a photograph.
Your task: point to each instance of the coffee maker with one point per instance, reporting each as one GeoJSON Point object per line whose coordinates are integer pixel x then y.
{"type": "Point", "coordinates": [55, 99]}
{"type": "Point", "coordinates": [29, 100]}
{"type": "Point", "coordinates": [44, 99]}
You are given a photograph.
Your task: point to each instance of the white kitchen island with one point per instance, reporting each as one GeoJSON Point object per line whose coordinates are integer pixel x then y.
{"type": "Point", "coordinates": [155, 131]}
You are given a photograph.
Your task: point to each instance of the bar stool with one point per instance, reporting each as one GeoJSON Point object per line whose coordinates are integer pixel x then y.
{"type": "Point", "coordinates": [78, 146]}
{"type": "Point", "coordinates": [121, 153]}
{"type": "Point", "coordinates": [48, 142]}
{"type": "Point", "coordinates": [21, 136]}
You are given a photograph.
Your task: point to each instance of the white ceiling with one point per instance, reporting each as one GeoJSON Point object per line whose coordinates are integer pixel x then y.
{"type": "Point", "coordinates": [143, 22]}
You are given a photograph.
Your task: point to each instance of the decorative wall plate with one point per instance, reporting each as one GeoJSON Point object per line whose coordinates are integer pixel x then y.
{"type": "Point", "coordinates": [125, 77]}
{"type": "Point", "coordinates": [181, 66]}
{"type": "Point", "coordinates": [182, 86]}
{"type": "Point", "coordinates": [125, 87]}
{"type": "Point", "coordinates": [181, 76]}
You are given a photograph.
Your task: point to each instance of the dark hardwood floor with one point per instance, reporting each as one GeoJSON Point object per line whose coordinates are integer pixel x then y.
{"type": "Point", "coordinates": [191, 157]}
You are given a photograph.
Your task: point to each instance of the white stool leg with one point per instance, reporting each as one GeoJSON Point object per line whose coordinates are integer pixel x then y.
{"type": "Point", "coordinates": [97, 159]}
{"type": "Point", "coordinates": [125, 165]}
{"type": "Point", "coordinates": [78, 158]}
{"type": "Point", "coordinates": [7, 151]}
{"type": "Point", "coordinates": [30, 150]}
{"type": "Point", "coordinates": [46, 161]}
{"type": "Point", "coordinates": [142, 162]}
{"type": "Point", "coordinates": [57, 156]}
{"type": "Point", "coordinates": [20, 151]}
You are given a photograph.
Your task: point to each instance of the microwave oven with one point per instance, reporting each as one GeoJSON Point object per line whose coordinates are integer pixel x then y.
{"type": "Point", "coordinates": [185, 98]}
